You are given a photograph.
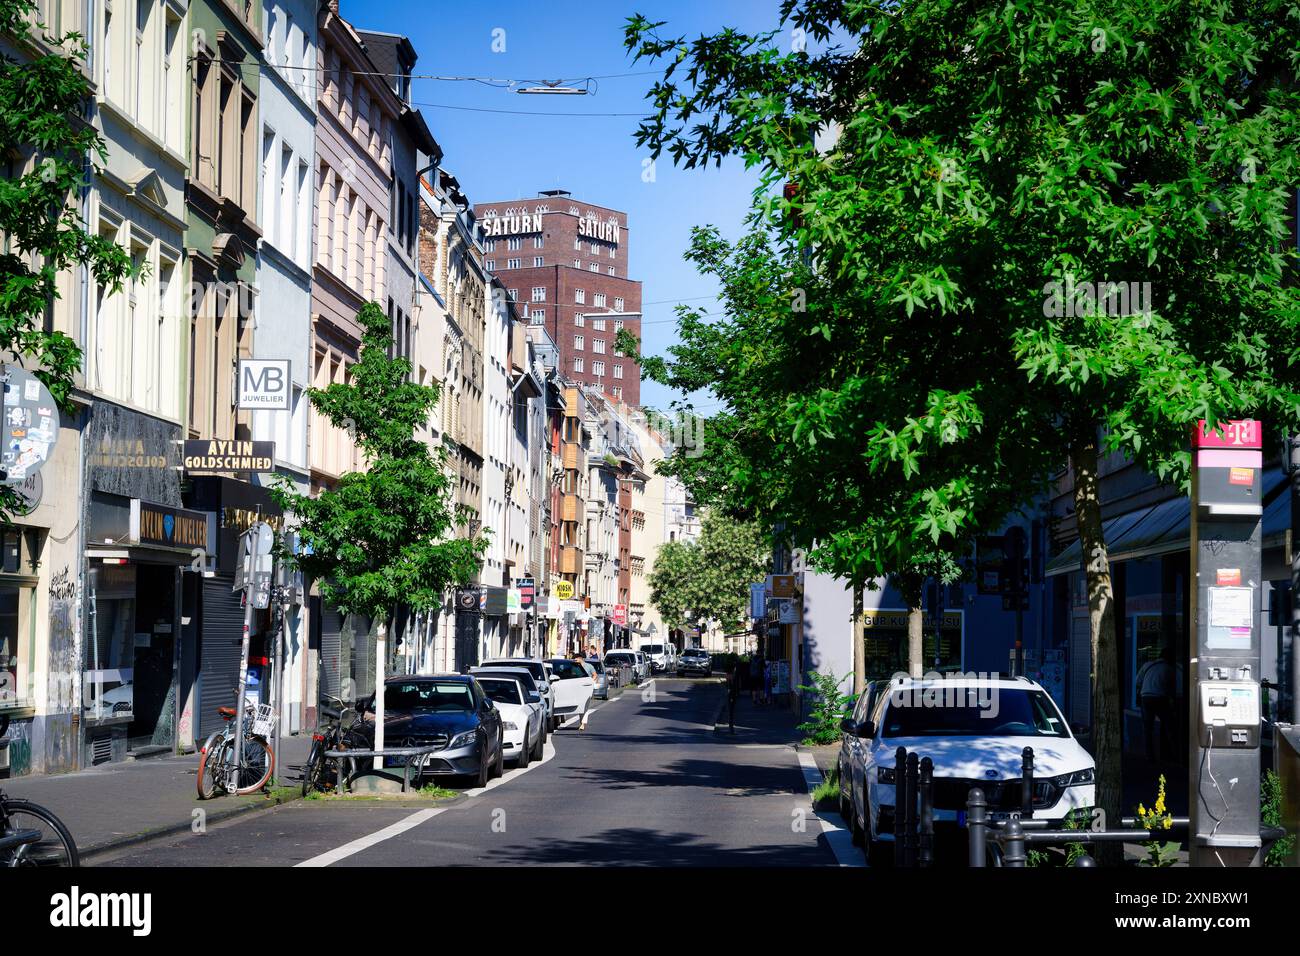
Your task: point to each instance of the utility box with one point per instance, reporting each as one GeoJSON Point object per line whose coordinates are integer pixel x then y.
{"type": "Point", "coordinates": [1286, 758]}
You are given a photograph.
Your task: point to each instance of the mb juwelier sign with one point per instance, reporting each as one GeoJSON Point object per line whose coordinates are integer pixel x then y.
{"type": "Point", "coordinates": [264, 384]}
{"type": "Point", "coordinates": [166, 526]}
{"type": "Point", "coordinates": [202, 456]}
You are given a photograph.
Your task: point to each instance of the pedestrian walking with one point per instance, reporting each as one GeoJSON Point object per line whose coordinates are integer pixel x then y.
{"type": "Point", "coordinates": [1156, 689]}
{"type": "Point", "coordinates": [756, 678]}
{"type": "Point", "coordinates": [586, 708]}
{"type": "Point", "coordinates": [735, 684]}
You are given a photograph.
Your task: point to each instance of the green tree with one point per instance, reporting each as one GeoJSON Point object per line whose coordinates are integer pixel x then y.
{"type": "Point", "coordinates": [381, 540]}
{"type": "Point", "coordinates": [1001, 168]}
{"type": "Point", "coordinates": [50, 148]}
{"type": "Point", "coordinates": [709, 579]}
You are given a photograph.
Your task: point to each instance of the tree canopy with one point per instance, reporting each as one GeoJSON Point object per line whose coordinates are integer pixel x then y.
{"type": "Point", "coordinates": [709, 579]}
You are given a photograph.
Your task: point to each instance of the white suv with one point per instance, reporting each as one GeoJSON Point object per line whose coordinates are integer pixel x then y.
{"type": "Point", "coordinates": [975, 730]}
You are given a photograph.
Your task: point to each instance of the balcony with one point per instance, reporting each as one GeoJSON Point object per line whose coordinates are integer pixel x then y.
{"type": "Point", "coordinates": [571, 560]}
{"type": "Point", "coordinates": [573, 458]}
{"type": "Point", "coordinates": [571, 508]}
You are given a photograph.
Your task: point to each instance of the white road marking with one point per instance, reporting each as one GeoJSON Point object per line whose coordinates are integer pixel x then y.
{"type": "Point", "coordinates": [415, 819]}
{"type": "Point", "coordinates": [839, 838]}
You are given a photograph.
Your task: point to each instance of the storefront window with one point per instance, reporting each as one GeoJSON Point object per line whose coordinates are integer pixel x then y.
{"type": "Point", "coordinates": [885, 642]}
{"type": "Point", "coordinates": [17, 637]}
{"type": "Point", "coordinates": [108, 693]}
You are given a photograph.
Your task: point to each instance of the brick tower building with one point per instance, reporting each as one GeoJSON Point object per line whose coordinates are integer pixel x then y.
{"type": "Point", "coordinates": [564, 262]}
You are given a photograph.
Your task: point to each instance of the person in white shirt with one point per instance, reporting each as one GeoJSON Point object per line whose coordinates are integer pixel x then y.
{"type": "Point", "coordinates": [1156, 681]}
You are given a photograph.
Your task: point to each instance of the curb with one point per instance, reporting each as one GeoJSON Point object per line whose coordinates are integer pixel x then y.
{"type": "Point", "coordinates": [134, 839]}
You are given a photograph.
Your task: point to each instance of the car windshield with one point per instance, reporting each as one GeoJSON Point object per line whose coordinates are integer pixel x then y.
{"type": "Point", "coordinates": [596, 665]}
{"type": "Point", "coordinates": [692, 652]}
{"type": "Point", "coordinates": [428, 697]}
{"type": "Point", "coordinates": [652, 649]}
{"type": "Point", "coordinates": [523, 675]}
{"type": "Point", "coordinates": [501, 689]}
{"type": "Point", "coordinates": [957, 711]}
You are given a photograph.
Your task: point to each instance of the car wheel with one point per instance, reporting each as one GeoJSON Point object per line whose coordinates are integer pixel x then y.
{"type": "Point", "coordinates": [484, 768]}
{"type": "Point", "coordinates": [846, 805]}
{"type": "Point", "coordinates": [499, 765]}
{"type": "Point", "coordinates": [526, 754]}
{"type": "Point", "coordinates": [856, 830]}
{"type": "Point", "coordinates": [541, 746]}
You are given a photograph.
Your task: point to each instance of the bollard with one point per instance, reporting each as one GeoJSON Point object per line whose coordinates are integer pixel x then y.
{"type": "Point", "coordinates": [910, 829]}
{"type": "Point", "coordinates": [1013, 844]}
{"type": "Point", "coordinates": [1027, 783]}
{"type": "Point", "coordinates": [925, 848]}
{"type": "Point", "coordinates": [977, 826]}
{"type": "Point", "coordinates": [900, 803]}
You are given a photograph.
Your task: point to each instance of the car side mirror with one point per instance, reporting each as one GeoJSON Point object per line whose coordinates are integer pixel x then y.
{"type": "Point", "coordinates": [848, 726]}
{"type": "Point", "coordinates": [534, 697]}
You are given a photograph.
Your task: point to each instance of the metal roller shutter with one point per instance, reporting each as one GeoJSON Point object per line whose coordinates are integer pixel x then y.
{"type": "Point", "coordinates": [222, 636]}
{"type": "Point", "coordinates": [331, 671]}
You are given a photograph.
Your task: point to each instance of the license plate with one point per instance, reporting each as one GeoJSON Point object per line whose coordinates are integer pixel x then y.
{"type": "Point", "coordinates": [992, 816]}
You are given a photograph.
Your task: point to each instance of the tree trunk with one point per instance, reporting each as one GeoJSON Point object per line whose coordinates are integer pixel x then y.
{"type": "Point", "coordinates": [915, 638]}
{"type": "Point", "coordinates": [859, 650]}
{"type": "Point", "coordinates": [1106, 738]}
{"type": "Point", "coordinates": [381, 658]}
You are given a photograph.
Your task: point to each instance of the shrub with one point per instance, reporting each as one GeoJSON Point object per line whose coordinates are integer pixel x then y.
{"type": "Point", "coordinates": [827, 710]}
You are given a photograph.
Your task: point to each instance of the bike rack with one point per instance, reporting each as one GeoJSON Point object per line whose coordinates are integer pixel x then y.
{"type": "Point", "coordinates": [410, 753]}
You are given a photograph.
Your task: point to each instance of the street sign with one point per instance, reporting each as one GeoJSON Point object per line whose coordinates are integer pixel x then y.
{"type": "Point", "coordinates": [31, 425]}
{"type": "Point", "coordinates": [253, 572]}
{"type": "Point", "coordinates": [264, 384]}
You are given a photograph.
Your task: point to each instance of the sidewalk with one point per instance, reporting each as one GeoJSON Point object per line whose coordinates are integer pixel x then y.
{"type": "Point", "coordinates": [117, 804]}
{"type": "Point", "coordinates": [755, 724]}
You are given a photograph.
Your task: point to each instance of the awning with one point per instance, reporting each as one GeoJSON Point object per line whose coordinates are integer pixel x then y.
{"type": "Point", "coordinates": [1166, 527]}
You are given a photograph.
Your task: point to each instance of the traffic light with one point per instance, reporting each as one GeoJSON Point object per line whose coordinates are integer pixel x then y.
{"type": "Point", "coordinates": [1015, 569]}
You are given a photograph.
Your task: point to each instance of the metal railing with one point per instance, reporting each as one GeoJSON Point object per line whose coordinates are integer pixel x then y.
{"type": "Point", "coordinates": [410, 753]}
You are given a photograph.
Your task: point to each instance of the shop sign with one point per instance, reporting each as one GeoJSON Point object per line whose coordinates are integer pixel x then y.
{"type": "Point", "coordinates": [780, 585]}
{"type": "Point", "coordinates": [493, 600]}
{"type": "Point", "coordinates": [757, 601]}
{"type": "Point", "coordinates": [513, 601]}
{"type": "Point", "coordinates": [216, 456]}
{"type": "Point", "coordinates": [527, 588]}
{"type": "Point", "coordinates": [897, 620]}
{"type": "Point", "coordinates": [787, 612]}
{"type": "Point", "coordinates": [564, 590]}
{"type": "Point", "coordinates": [620, 615]}
{"type": "Point", "coordinates": [264, 384]}
{"type": "Point", "coordinates": [168, 527]}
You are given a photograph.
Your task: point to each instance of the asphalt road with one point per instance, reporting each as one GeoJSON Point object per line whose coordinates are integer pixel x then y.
{"type": "Point", "coordinates": [648, 783]}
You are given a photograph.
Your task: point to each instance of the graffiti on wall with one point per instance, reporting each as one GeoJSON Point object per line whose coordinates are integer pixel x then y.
{"type": "Point", "coordinates": [64, 666]}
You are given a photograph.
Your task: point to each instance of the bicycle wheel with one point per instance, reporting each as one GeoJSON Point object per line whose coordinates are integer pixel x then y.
{"type": "Point", "coordinates": [311, 768]}
{"type": "Point", "coordinates": [55, 847]}
{"type": "Point", "coordinates": [257, 766]}
{"type": "Point", "coordinates": [209, 780]}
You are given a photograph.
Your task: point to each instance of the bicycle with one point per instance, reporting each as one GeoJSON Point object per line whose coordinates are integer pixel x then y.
{"type": "Point", "coordinates": [217, 756]}
{"type": "Point", "coordinates": [323, 773]}
{"type": "Point", "coordinates": [30, 835]}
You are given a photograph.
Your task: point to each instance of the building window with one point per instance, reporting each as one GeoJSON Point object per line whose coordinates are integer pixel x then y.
{"type": "Point", "coordinates": [595, 267]}
{"type": "Point", "coordinates": [490, 245]}
{"type": "Point", "coordinates": [618, 325]}
{"type": "Point", "coordinates": [514, 243]}
{"type": "Point", "coordinates": [538, 241]}
{"type": "Point", "coordinates": [537, 262]}
{"type": "Point", "coordinates": [512, 263]}
{"type": "Point", "coordinates": [611, 270]}
{"type": "Point", "coordinates": [598, 324]}
{"type": "Point", "coordinates": [538, 316]}
{"type": "Point", "coordinates": [578, 364]}
{"type": "Point", "coordinates": [577, 263]}
{"type": "Point", "coordinates": [539, 293]}
{"type": "Point", "coordinates": [595, 249]}
{"type": "Point", "coordinates": [612, 252]}
{"type": "Point", "coordinates": [577, 243]}
{"type": "Point", "coordinates": [579, 320]}
{"type": "Point", "coordinates": [580, 295]}
{"type": "Point", "coordinates": [579, 343]}
{"type": "Point", "coordinates": [598, 369]}
{"type": "Point", "coordinates": [618, 307]}
{"type": "Point", "coordinates": [600, 300]}
{"type": "Point", "coordinates": [491, 265]}
{"type": "Point", "coordinates": [618, 370]}
{"type": "Point", "coordinates": [598, 346]}
{"type": "Point", "coordinates": [618, 391]}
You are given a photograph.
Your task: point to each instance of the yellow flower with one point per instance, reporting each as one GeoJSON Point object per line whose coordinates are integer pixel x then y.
{"type": "Point", "coordinates": [1169, 822]}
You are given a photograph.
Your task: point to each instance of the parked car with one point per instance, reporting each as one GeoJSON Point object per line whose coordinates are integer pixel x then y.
{"type": "Point", "coordinates": [523, 718]}
{"type": "Point", "coordinates": [656, 655]}
{"type": "Point", "coordinates": [530, 684]}
{"type": "Point", "coordinates": [619, 665]}
{"type": "Point", "coordinates": [975, 730]}
{"type": "Point", "coordinates": [449, 711]}
{"type": "Point", "coordinates": [671, 650]}
{"type": "Point", "coordinates": [643, 665]}
{"type": "Point", "coordinates": [694, 660]}
{"type": "Point", "coordinates": [600, 680]}
{"type": "Point", "coordinates": [540, 674]}
{"type": "Point", "coordinates": [574, 684]}
{"type": "Point", "coordinates": [851, 743]}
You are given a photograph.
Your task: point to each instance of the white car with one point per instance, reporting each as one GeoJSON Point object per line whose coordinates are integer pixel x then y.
{"type": "Point", "coordinates": [657, 655]}
{"type": "Point", "coordinates": [542, 689]}
{"type": "Point", "coordinates": [975, 730]}
{"type": "Point", "coordinates": [522, 716]}
{"type": "Point", "coordinates": [541, 674]}
{"type": "Point", "coordinates": [574, 686]}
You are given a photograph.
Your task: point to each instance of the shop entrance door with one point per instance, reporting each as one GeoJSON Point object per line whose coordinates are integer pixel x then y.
{"type": "Point", "coordinates": [153, 723]}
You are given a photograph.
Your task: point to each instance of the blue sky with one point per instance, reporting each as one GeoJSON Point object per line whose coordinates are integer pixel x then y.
{"type": "Point", "coordinates": [506, 155]}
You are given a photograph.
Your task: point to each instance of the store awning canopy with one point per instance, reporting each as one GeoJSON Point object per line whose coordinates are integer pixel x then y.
{"type": "Point", "coordinates": [1166, 527]}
